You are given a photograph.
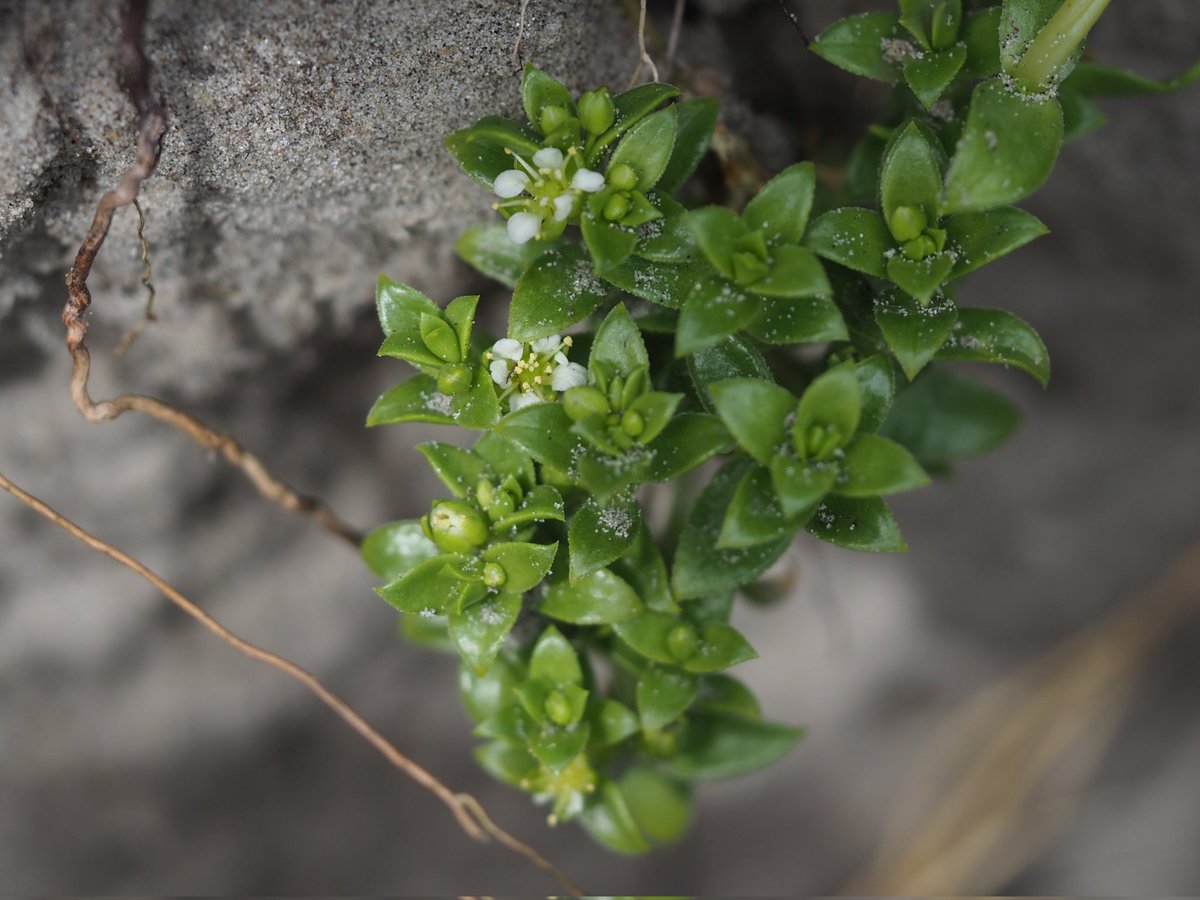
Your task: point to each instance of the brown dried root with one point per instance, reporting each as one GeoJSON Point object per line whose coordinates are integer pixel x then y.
{"type": "Point", "coordinates": [135, 78]}
{"type": "Point", "coordinates": [466, 810]}
{"type": "Point", "coordinates": [148, 315]}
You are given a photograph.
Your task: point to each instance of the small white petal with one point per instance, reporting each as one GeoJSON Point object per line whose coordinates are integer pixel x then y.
{"type": "Point", "coordinates": [568, 376]}
{"type": "Point", "coordinates": [546, 345]}
{"type": "Point", "coordinates": [587, 180]}
{"type": "Point", "coordinates": [523, 227]}
{"type": "Point", "coordinates": [548, 158]}
{"type": "Point", "coordinates": [499, 370]}
{"type": "Point", "coordinates": [564, 205]}
{"type": "Point", "coordinates": [519, 400]}
{"type": "Point", "coordinates": [510, 183]}
{"type": "Point", "coordinates": [507, 348]}
{"type": "Point", "coordinates": [560, 358]}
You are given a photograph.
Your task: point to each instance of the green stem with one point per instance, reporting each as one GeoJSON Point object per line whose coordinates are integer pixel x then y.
{"type": "Point", "coordinates": [1054, 44]}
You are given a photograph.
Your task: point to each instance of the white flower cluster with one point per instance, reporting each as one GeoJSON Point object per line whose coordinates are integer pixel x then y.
{"type": "Point", "coordinates": [536, 376]}
{"type": "Point", "coordinates": [543, 191]}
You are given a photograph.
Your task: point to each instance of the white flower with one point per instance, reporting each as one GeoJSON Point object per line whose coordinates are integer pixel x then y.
{"type": "Point", "coordinates": [507, 348]}
{"type": "Point", "coordinates": [587, 180]}
{"type": "Point", "coordinates": [510, 183]}
{"type": "Point", "coordinates": [499, 371]}
{"type": "Point", "coordinates": [548, 158]}
{"type": "Point", "coordinates": [564, 205]}
{"type": "Point", "coordinates": [567, 376]}
{"type": "Point", "coordinates": [545, 345]}
{"type": "Point", "coordinates": [520, 400]}
{"type": "Point", "coordinates": [523, 227]}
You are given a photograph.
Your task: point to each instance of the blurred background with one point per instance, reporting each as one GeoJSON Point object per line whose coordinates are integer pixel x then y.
{"type": "Point", "coordinates": [1005, 709]}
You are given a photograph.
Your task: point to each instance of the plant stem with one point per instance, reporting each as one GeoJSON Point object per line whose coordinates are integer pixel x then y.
{"type": "Point", "coordinates": [1055, 43]}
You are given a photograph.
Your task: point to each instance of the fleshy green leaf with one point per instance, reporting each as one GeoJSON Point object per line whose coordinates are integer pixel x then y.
{"type": "Point", "coordinates": [598, 534]}
{"type": "Point", "coordinates": [663, 695]}
{"type": "Point", "coordinates": [700, 568]}
{"type": "Point", "coordinates": [483, 696]}
{"type": "Point", "coordinates": [556, 746]}
{"type": "Point", "coordinates": [993, 335]}
{"type": "Point", "coordinates": [1006, 151]}
{"type": "Point", "coordinates": [832, 402]}
{"type": "Point", "coordinates": [716, 229]}
{"type": "Point", "coordinates": [914, 332]}
{"type": "Point", "coordinates": [601, 598]}
{"type": "Point", "coordinates": [609, 243]}
{"type": "Point", "coordinates": [800, 485]}
{"type": "Point", "coordinates": [689, 440]}
{"type": "Point", "coordinates": [489, 250]}
{"type": "Point", "coordinates": [734, 357]}
{"type": "Point", "coordinates": [1096, 80]}
{"type": "Point", "coordinates": [981, 34]}
{"type": "Point", "coordinates": [415, 400]}
{"type": "Point", "coordinates": [543, 431]}
{"type": "Point", "coordinates": [695, 121]}
{"type": "Point", "coordinates": [525, 565]}
{"type": "Point", "coordinates": [852, 237]}
{"type": "Point", "coordinates": [725, 694]}
{"type": "Point", "coordinates": [660, 807]}
{"type": "Point", "coordinates": [612, 722]}
{"type": "Point", "coordinates": [811, 320]}
{"type": "Point", "coordinates": [721, 646]}
{"type": "Point", "coordinates": [631, 107]}
{"type": "Point", "coordinates": [480, 148]}
{"type": "Point", "coordinates": [911, 176]}
{"type": "Point", "coordinates": [643, 570]}
{"type": "Point", "coordinates": [556, 291]}
{"type": "Point", "coordinates": [608, 820]}
{"type": "Point", "coordinates": [400, 307]}
{"type": "Point", "coordinates": [542, 504]}
{"type": "Point", "coordinates": [506, 762]}
{"type": "Point", "coordinates": [715, 309]}
{"type": "Point", "coordinates": [539, 90]}
{"type": "Point", "coordinates": [476, 407]}
{"type": "Point", "coordinates": [942, 416]}
{"type": "Point", "coordinates": [795, 272]}
{"type": "Point", "coordinates": [873, 465]}
{"type": "Point", "coordinates": [754, 412]}
{"type": "Point", "coordinates": [459, 469]}
{"type": "Point", "coordinates": [666, 284]}
{"type": "Point", "coordinates": [722, 746]}
{"type": "Point", "coordinates": [920, 278]}
{"type": "Point", "coordinates": [647, 147]}
{"type": "Point", "coordinates": [780, 209]}
{"type": "Point", "coordinates": [978, 238]}
{"type": "Point", "coordinates": [478, 632]}
{"type": "Point", "coordinates": [618, 345]}
{"type": "Point", "coordinates": [1080, 115]}
{"type": "Point", "coordinates": [460, 314]}
{"type": "Point", "coordinates": [931, 73]}
{"type": "Point", "coordinates": [554, 659]}
{"type": "Point", "coordinates": [877, 386]}
{"type": "Point", "coordinates": [865, 524]}
{"type": "Point", "coordinates": [425, 589]}
{"type": "Point", "coordinates": [860, 45]}
{"type": "Point", "coordinates": [755, 516]}
{"type": "Point", "coordinates": [647, 635]}
{"type": "Point", "coordinates": [505, 456]}
{"type": "Point", "coordinates": [667, 240]}
{"type": "Point", "coordinates": [392, 549]}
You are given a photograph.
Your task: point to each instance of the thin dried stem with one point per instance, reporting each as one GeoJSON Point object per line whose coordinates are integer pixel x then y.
{"type": "Point", "coordinates": [467, 811]}
{"type": "Point", "coordinates": [643, 57]}
{"type": "Point", "coordinates": [147, 274]}
{"type": "Point", "coordinates": [673, 37]}
{"type": "Point", "coordinates": [135, 79]}
{"type": "Point", "coordinates": [787, 11]}
{"type": "Point", "coordinates": [516, 51]}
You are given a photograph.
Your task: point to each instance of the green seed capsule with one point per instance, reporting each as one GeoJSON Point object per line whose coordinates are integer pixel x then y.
{"type": "Point", "coordinates": [616, 207]}
{"type": "Point", "coordinates": [682, 642]}
{"type": "Point", "coordinates": [494, 575]}
{"type": "Point", "coordinates": [456, 526]}
{"type": "Point", "coordinates": [558, 708]}
{"type": "Point", "coordinates": [585, 402]}
{"type": "Point", "coordinates": [596, 111]}
{"type": "Point", "coordinates": [552, 118]}
{"type": "Point", "coordinates": [622, 176]}
{"type": "Point", "coordinates": [632, 423]}
{"type": "Point", "coordinates": [454, 378]}
{"type": "Point", "coordinates": [907, 223]}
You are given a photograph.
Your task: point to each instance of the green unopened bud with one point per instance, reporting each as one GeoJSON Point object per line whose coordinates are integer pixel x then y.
{"type": "Point", "coordinates": [485, 491]}
{"type": "Point", "coordinates": [682, 642]}
{"type": "Point", "coordinates": [920, 247]}
{"type": "Point", "coordinates": [748, 268]}
{"type": "Point", "coordinates": [616, 207]}
{"type": "Point", "coordinates": [456, 526]}
{"type": "Point", "coordinates": [454, 378]}
{"type": "Point", "coordinates": [558, 708]}
{"type": "Point", "coordinates": [622, 176]}
{"type": "Point", "coordinates": [907, 223]}
{"type": "Point", "coordinates": [585, 402]}
{"type": "Point", "coordinates": [660, 744]}
{"type": "Point", "coordinates": [596, 111]}
{"type": "Point", "coordinates": [552, 118]}
{"type": "Point", "coordinates": [632, 423]}
{"type": "Point", "coordinates": [494, 575]}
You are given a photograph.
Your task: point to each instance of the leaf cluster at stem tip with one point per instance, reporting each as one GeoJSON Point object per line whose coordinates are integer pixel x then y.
{"type": "Point", "coordinates": [782, 367]}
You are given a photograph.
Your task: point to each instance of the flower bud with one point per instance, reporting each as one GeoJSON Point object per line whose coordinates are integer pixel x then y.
{"type": "Point", "coordinates": [558, 708]}
{"type": "Point", "coordinates": [494, 575]}
{"type": "Point", "coordinates": [616, 207]}
{"type": "Point", "coordinates": [454, 378]}
{"type": "Point", "coordinates": [584, 402]}
{"type": "Point", "coordinates": [622, 176]}
{"type": "Point", "coordinates": [596, 111]}
{"type": "Point", "coordinates": [682, 642]}
{"type": "Point", "coordinates": [632, 423]}
{"type": "Point", "coordinates": [907, 223]}
{"type": "Point", "coordinates": [552, 118]}
{"type": "Point", "coordinates": [456, 526]}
